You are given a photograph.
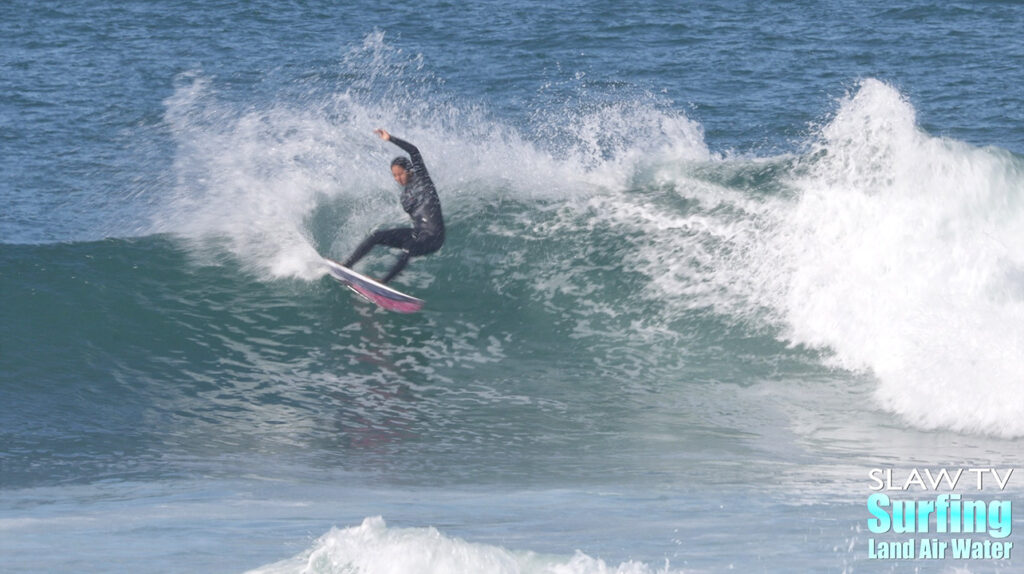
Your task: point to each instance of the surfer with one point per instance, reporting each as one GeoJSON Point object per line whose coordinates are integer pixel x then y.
{"type": "Point", "coordinates": [419, 200]}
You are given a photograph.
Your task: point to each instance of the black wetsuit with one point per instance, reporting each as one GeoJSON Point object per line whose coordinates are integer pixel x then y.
{"type": "Point", "coordinates": [419, 200]}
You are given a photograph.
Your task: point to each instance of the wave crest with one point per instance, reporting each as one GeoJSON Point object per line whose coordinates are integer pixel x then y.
{"type": "Point", "coordinates": [373, 547]}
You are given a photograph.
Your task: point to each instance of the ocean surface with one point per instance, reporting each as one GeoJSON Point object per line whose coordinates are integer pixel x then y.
{"type": "Point", "coordinates": [708, 265]}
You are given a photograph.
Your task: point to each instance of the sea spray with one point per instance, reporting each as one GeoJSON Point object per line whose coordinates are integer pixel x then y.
{"type": "Point", "coordinates": [252, 180]}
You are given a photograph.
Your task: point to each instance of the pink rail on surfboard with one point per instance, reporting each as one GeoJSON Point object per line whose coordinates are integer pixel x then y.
{"type": "Point", "coordinates": [374, 291]}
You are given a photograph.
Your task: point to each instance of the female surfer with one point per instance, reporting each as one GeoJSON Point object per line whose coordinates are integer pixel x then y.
{"type": "Point", "coordinates": [419, 200]}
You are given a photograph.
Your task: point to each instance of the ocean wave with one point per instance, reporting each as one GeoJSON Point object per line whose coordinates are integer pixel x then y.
{"type": "Point", "coordinates": [374, 547]}
{"type": "Point", "coordinates": [881, 248]}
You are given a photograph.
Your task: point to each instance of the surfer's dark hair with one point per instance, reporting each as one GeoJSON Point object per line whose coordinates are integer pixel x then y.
{"type": "Point", "coordinates": [403, 162]}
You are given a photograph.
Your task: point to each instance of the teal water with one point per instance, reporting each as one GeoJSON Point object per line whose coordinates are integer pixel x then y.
{"type": "Point", "coordinates": [706, 268]}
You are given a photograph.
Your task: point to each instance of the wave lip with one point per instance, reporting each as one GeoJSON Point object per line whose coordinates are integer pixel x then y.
{"type": "Point", "coordinates": [903, 255]}
{"type": "Point", "coordinates": [373, 547]}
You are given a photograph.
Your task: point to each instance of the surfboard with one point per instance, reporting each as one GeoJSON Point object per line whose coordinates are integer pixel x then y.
{"type": "Point", "coordinates": [372, 290]}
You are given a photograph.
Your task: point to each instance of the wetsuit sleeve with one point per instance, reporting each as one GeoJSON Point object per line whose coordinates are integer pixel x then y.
{"type": "Point", "coordinates": [413, 151]}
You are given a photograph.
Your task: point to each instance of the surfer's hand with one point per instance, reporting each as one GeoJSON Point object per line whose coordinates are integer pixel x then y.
{"type": "Point", "coordinates": [384, 135]}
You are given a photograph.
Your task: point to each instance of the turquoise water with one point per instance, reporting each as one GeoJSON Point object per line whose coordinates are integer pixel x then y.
{"type": "Point", "coordinates": [707, 266]}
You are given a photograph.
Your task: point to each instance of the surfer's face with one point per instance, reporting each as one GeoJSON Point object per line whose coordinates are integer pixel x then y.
{"type": "Point", "coordinates": [401, 175]}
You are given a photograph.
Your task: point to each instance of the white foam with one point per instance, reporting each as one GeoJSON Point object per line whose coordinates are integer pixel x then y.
{"type": "Point", "coordinates": [904, 258]}
{"type": "Point", "coordinates": [897, 251]}
{"type": "Point", "coordinates": [374, 548]}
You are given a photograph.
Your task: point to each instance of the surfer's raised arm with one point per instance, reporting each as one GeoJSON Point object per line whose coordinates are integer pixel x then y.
{"type": "Point", "coordinates": [413, 151]}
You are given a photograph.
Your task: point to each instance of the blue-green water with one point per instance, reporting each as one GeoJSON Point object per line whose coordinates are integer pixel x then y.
{"type": "Point", "coordinates": [707, 266]}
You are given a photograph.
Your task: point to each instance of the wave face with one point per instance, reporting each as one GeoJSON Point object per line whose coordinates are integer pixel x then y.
{"type": "Point", "coordinates": [890, 249]}
{"type": "Point", "coordinates": [620, 252]}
